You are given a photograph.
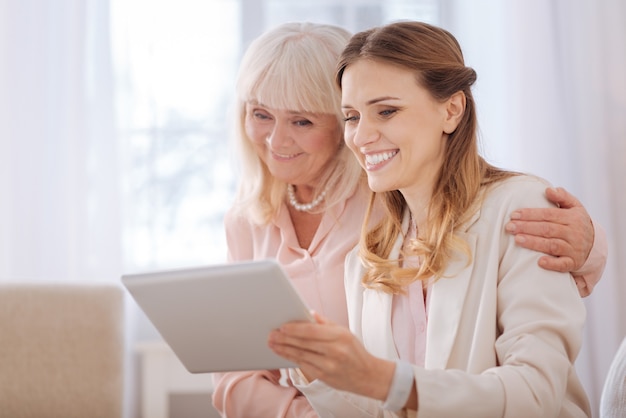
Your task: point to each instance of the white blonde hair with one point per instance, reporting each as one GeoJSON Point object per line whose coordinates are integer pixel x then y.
{"type": "Point", "coordinates": [291, 67]}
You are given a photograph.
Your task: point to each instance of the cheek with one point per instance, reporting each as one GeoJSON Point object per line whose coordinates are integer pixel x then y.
{"type": "Point", "coordinates": [320, 142]}
{"type": "Point", "coordinates": [348, 135]}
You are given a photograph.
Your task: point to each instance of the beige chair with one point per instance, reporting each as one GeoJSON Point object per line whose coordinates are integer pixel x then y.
{"type": "Point", "coordinates": [61, 350]}
{"type": "Point", "coordinates": [613, 401]}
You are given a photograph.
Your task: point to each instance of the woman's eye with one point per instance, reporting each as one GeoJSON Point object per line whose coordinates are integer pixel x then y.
{"type": "Point", "coordinates": [353, 118]}
{"type": "Point", "coordinates": [260, 115]}
{"type": "Point", "coordinates": [303, 122]}
{"type": "Point", "coordinates": [388, 112]}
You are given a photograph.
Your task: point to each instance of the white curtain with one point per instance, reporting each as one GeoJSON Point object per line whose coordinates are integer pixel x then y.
{"type": "Point", "coordinates": [551, 95]}
{"type": "Point", "coordinates": [59, 217]}
{"type": "Point", "coordinates": [59, 176]}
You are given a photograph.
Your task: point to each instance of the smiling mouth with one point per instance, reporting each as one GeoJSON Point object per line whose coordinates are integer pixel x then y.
{"type": "Point", "coordinates": [283, 157]}
{"type": "Point", "coordinates": [374, 160]}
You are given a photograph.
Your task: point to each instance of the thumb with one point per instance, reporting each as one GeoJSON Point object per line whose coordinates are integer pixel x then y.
{"type": "Point", "coordinates": [561, 197]}
{"type": "Point", "coordinates": [319, 318]}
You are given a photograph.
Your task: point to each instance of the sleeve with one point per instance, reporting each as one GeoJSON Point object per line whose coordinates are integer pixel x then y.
{"type": "Point", "coordinates": [238, 237]}
{"type": "Point", "coordinates": [329, 402]}
{"type": "Point", "coordinates": [258, 394]}
{"type": "Point", "coordinates": [253, 393]}
{"type": "Point", "coordinates": [591, 272]}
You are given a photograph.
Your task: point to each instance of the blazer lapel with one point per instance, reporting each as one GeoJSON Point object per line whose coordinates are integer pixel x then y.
{"type": "Point", "coordinates": [376, 329]}
{"type": "Point", "coordinates": [377, 335]}
{"type": "Point", "coordinates": [447, 297]}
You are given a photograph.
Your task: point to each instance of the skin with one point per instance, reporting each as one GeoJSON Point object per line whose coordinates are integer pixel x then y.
{"type": "Point", "coordinates": [331, 353]}
{"type": "Point", "coordinates": [297, 148]}
{"type": "Point", "coordinates": [398, 135]}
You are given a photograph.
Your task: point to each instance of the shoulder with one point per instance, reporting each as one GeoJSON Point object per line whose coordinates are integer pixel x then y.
{"type": "Point", "coordinates": [522, 190]}
{"type": "Point", "coordinates": [501, 198]}
{"type": "Point", "coordinates": [236, 221]}
{"type": "Point", "coordinates": [232, 217]}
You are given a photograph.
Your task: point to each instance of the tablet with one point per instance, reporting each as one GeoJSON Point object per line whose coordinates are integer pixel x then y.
{"type": "Point", "coordinates": [218, 318]}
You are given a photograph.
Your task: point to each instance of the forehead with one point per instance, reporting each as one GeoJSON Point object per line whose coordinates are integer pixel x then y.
{"type": "Point", "coordinates": [367, 79]}
{"type": "Point", "coordinates": [291, 92]}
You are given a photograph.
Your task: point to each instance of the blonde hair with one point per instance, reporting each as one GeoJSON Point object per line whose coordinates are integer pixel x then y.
{"type": "Point", "coordinates": [435, 57]}
{"type": "Point", "coordinates": [291, 67]}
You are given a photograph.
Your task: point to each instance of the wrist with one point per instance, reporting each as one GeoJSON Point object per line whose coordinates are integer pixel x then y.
{"type": "Point", "coordinates": [375, 383]}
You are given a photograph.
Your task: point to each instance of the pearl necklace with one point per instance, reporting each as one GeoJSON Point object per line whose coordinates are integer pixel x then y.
{"type": "Point", "coordinates": [304, 207]}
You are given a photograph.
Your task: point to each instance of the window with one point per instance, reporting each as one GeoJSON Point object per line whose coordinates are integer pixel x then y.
{"type": "Point", "coordinates": [175, 68]}
{"type": "Point", "coordinates": [175, 63]}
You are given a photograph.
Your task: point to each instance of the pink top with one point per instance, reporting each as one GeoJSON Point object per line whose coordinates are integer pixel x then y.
{"type": "Point", "coordinates": [408, 324]}
{"type": "Point", "coordinates": [317, 274]}
{"type": "Point", "coordinates": [409, 314]}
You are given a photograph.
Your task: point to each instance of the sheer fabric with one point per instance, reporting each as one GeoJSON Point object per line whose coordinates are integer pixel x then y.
{"type": "Point", "coordinates": [60, 213]}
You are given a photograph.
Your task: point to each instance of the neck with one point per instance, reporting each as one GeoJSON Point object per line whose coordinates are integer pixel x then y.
{"type": "Point", "coordinates": [418, 202]}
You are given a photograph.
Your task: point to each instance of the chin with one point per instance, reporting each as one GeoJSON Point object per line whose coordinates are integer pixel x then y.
{"type": "Point", "coordinates": [378, 187]}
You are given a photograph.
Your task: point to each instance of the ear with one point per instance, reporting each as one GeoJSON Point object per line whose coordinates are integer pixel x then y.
{"type": "Point", "coordinates": [455, 108]}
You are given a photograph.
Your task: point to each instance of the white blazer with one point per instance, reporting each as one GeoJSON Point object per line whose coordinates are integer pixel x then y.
{"type": "Point", "coordinates": [502, 332]}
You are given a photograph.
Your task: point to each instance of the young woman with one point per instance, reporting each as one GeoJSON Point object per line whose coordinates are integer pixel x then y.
{"type": "Point", "coordinates": [448, 316]}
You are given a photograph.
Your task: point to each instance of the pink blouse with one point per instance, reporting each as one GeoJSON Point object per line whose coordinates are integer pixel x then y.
{"type": "Point", "coordinates": [317, 273]}
{"type": "Point", "coordinates": [409, 315]}
{"type": "Point", "coordinates": [408, 324]}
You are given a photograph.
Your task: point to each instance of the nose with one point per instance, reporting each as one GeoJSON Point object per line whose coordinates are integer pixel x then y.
{"type": "Point", "coordinates": [278, 137]}
{"type": "Point", "coordinates": [364, 132]}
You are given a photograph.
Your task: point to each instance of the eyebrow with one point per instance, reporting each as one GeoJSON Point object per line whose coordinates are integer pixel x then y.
{"type": "Point", "coordinates": [372, 101]}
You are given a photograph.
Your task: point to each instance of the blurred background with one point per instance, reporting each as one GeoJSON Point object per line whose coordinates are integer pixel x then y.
{"type": "Point", "coordinates": [115, 118]}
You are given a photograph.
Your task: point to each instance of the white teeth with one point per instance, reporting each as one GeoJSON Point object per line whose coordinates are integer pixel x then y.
{"type": "Point", "coordinates": [285, 155]}
{"type": "Point", "coordinates": [374, 159]}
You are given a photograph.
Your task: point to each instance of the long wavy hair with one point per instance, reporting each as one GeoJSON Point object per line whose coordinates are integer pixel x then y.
{"type": "Point", "coordinates": [291, 67]}
{"type": "Point", "coordinates": [434, 55]}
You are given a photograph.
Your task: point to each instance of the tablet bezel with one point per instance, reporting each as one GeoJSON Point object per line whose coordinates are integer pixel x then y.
{"type": "Point", "coordinates": [217, 318]}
